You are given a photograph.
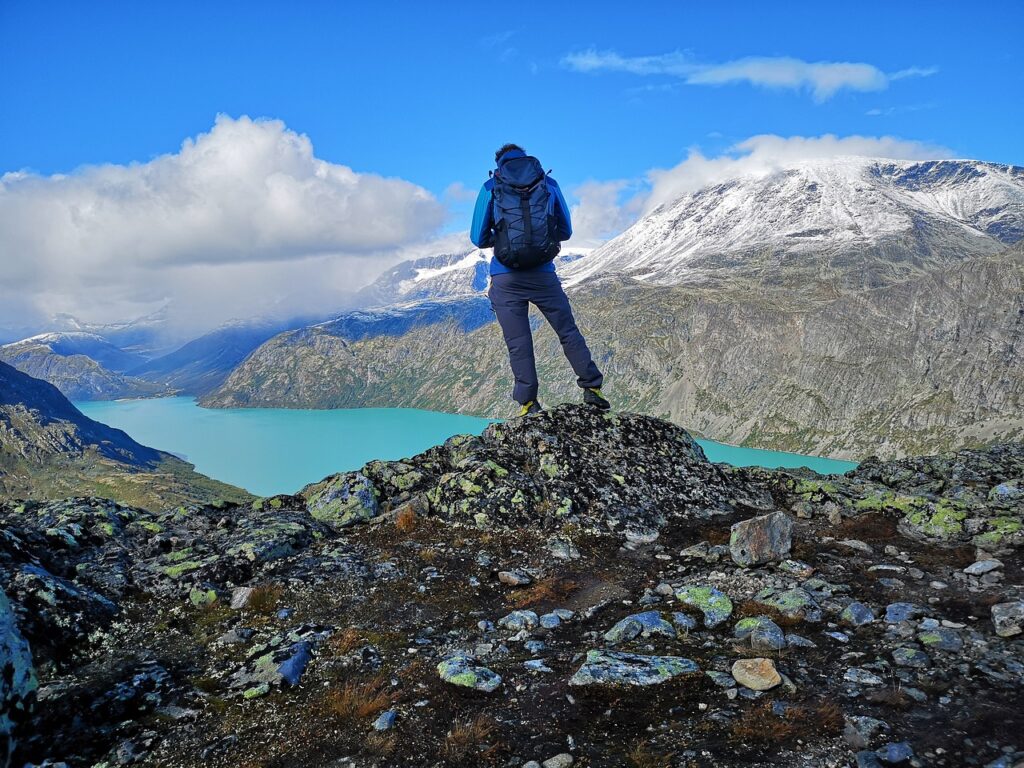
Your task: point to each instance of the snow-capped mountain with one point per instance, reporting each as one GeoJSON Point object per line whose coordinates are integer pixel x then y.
{"type": "Point", "coordinates": [462, 273]}
{"type": "Point", "coordinates": [68, 343]}
{"type": "Point", "coordinates": [859, 220]}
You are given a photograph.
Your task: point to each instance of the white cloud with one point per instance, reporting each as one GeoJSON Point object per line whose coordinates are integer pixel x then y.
{"type": "Point", "coordinates": [823, 79]}
{"type": "Point", "coordinates": [240, 220]}
{"type": "Point", "coordinates": [602, 211]}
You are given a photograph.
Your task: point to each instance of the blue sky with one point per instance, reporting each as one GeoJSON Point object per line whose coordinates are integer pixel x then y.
{"type": "Point", "coordinates": [409, 89]}
{"type": "Point", "coordinates": [606, 94]}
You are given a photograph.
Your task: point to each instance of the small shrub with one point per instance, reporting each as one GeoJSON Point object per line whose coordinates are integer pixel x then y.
{"type": "Point", "coordinates": [345, 641]}
{"type": "Point", "coordinates": [406, 520]}
{"type": "Point", "coordinates": [642, 756]}
{"type": "Point", "coordinates": [463, 738]}
{"type": "Point", "coordinates": [360, 700]}
{"type": "Point", "coordinates": [551, 589]}
{"type": "Point", "coordinates": [264, 598]}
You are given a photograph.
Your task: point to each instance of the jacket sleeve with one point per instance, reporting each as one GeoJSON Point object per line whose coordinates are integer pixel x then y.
{"type": "Point", "coordinates": [481, 232]}
{"type": "Point", "coordinates": [562, 217]}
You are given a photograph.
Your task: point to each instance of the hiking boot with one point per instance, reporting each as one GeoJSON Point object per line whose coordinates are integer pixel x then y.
{"type": "Point", "coordinates": [592, 396]}
{"type": "Point", "coordinates": [531, 407]}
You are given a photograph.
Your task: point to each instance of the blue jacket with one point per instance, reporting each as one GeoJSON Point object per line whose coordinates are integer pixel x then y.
{"type": "Point", "coordinates": [482, 230]}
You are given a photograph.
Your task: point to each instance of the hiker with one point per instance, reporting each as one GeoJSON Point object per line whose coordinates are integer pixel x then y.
{"type": "Point", "coordinates": [520, 211]}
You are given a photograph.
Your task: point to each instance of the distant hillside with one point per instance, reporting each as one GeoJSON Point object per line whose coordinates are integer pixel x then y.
{"type": "Point", "coordinates": [204, 363]}
{"type": "Point", "coordinates": [49, 449]}
{"type": "Point", "coordinates": [83, 366]}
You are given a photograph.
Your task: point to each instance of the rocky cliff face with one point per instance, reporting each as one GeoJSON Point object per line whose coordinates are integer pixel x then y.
{"type": "Point", "coordinates": [926, 364]}
{"type": "Point", "coordinates": [48, 449]}
{"type": "Point", "coordinates": [566, 587]}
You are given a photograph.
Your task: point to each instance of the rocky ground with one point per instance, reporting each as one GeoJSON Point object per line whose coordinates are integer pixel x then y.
{"type": "Point", "coordinates": [569, 589]}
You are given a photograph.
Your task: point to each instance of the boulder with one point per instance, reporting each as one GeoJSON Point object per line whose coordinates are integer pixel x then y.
{"type": "Point", "coordinates": [461, 671]}
{"type": "Point", "coordinates": [639, 624]}
{"type": "Point", "coordinates": [760, 540]}
{"type": "Point", "coordinates": [1008, 618]}
{"type": "Point", "coordinates": [756, 674]}
{"type": "Point", "coordinates": [341, 500]}
{"type": "Point", "coordinates": [616, 668]}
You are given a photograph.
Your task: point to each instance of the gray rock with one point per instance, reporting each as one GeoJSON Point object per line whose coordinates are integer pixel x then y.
{"type": "Point", "coordinates": [895, 752]}
{"type": "Point", "coordinates": [856, 614]}
{"type": "Point", "coordinates": [761, 632]}
{"type": "Point", "coordinates": [461, 671]}
{"type": "Point", "coordinates": [862, 677]}
{"type": "Point", "coordinates": [386, 720]}
{"type": "Point", "coordinates": [563, 760]}
{"type": "Point", "coordinates": [761, 539]}
{"type": "Point", "coordinates": [550, 621]}
{"type": "Point", "coordinates": [515, 578]}
{"type": "Point", "coordinates": [981, 567]}
{"type": "Point", "coordinates": [897, 612]}
{"type": "Point", "coordinates": [17, 679]}
{"type": "Point", "coordinates": [942, 639]}
{"type": "Point", "coordinates": [562, 549]}
{"type": "Point", "coordinates": [908, 656]}
{"type": "Point", "coordinates": [1008, 618]}
{"type": "Point", "coordinates": [617, 668]}
{"type": "Point", "coordinates": [519, 620]}
{"type": "Point", "coordinates": [639, 624]}
{"type": "Point", "coordinates": [240, 597]}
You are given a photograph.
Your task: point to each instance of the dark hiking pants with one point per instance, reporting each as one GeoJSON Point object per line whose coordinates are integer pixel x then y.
{"type": "Point", "coordinates": [511, 294]}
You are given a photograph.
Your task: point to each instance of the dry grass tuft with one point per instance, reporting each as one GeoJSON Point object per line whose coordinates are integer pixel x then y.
{"type": "Point", "coordinates": [345, 641]}
{"type": "Point", "coordinates": [551, 589]}
{"type": "Point", "coordinates": [360, 700]}
{"type": "Point", "coordinates": [464, 738]}
{"type": "Point", "coordinates": [381, 744]}
{"type": "Point", "coordinates": [406, 520]}
{"type": "Point", "coordinates": [264, 598]}
{"type": "Point", "coordinates": [760, 724]}
{"type": "Point", "coordinates": [642, 756]}
{"type": "Point", "coordinates": [752, 608]}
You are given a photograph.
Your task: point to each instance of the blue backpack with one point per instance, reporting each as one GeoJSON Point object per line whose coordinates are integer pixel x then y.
{"type": "Point", "coordinates": [525, 234]}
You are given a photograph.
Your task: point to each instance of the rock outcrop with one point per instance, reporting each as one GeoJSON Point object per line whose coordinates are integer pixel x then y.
{"type": "Point", "coordinates": [559, 588]}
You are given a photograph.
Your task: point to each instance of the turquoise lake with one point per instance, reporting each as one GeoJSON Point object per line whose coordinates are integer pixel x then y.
{"type": "Point", "coordinates": [278, 450]}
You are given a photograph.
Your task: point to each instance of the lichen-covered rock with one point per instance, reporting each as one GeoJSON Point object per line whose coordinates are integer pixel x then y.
{"type": "Point", "coordinates": [796, 603]}
{"type": "Point", "coordinates": [762, 539]}
{"type": "Point", "coordinates": [713, 604]}
{"type": "Point", "coordinates": [341, 500]}
{"type": "Point", "coordinates": [617, 668]}
{"type": "Point", "coordinates": [17, 680]}
{"type": "Point", "coordinates": [461, 671]}
{"type": "Point", "coordinates": [761, 632]}
{"type": "Point", "coordinates": [281, 661]}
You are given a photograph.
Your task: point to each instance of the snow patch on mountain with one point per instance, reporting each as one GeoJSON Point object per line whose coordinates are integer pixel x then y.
{"type": "Point", "coordinates": [819, 209]}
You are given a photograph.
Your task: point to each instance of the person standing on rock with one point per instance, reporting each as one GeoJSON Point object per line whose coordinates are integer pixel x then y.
{"type": "Point", "coordinates": [521, 213]}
